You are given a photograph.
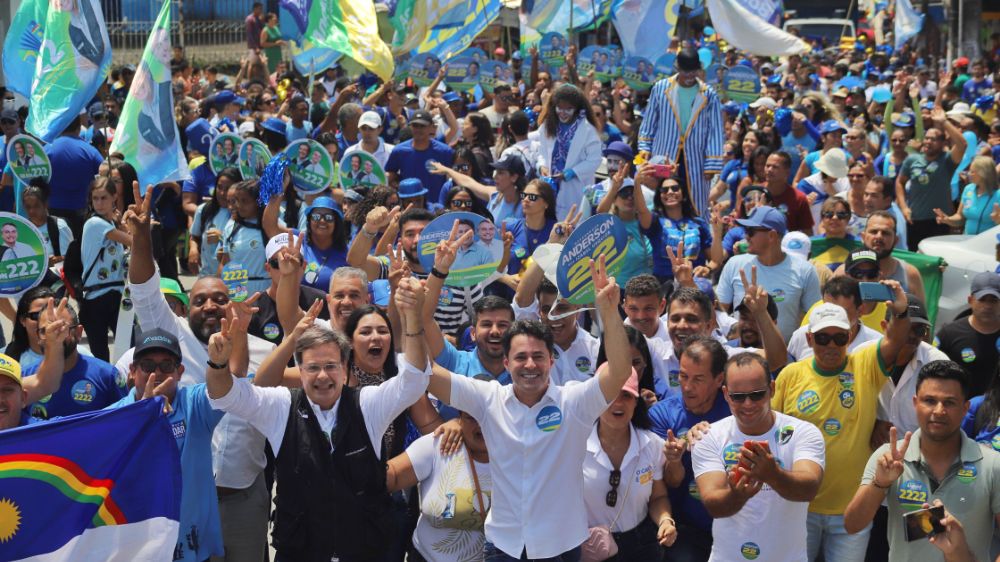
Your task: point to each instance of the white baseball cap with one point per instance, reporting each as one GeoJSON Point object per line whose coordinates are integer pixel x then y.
{"type": "Point", "coordinates": [797, 243]}
{"type": "Point", "coordinates": [767, 102]}
{"type": "Point", "coordinates": [828, 315]}
{"type": "Point", "coordinates": [370, 119]}
{"type": "Point", "coordinates": [277, 242]}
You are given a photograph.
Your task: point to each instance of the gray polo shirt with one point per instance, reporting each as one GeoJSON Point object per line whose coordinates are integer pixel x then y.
{"type": "Point", "coordinates": [970, 491]}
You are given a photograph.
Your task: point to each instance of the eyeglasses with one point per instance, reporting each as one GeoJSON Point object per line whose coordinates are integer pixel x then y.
{"type": "Point", "coordinates": [460, 204]}
{"type": "Point", "coordinates": [840, 339]}
{"type": "Point", "coordinates": [865, 273]}
{"type": "Point", "coordinates": [166, 366]}
{"type": "Point", "coordinates": [33, 316]}
{"type": "Point", "coordinates": [754, 396]}
{"type": "Point", "coordinates": [325, 217]}
{"type": "Point", "coordinates": [315, 368]}
{"type": "Point", "coordinates": [842, 215]}
{"type": "Point", "coordinates": [530, 196]}
{"type": "Point", "coordinates": [613, 480]}
{"type": "Point", "coordinates": [267, 100]}
{"type": "Point", "coordinates": [675, 187]}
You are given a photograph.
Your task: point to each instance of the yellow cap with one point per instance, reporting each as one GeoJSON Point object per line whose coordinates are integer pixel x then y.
{"type": "Point", "coordinates": [10, 368]}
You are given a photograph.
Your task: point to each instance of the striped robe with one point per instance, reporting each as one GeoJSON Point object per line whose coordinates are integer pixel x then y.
{"type": "Point", "coordinates": [660, 134]}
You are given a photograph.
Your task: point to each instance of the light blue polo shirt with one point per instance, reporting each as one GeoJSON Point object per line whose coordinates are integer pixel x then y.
{"type": "Point", "coordinates": [209, 261]}
{"type": "Point", "coordinates": [245, 245]}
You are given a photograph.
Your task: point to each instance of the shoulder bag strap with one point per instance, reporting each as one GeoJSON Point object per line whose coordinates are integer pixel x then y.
{"type": "Point", "coordinates": [475, 480]}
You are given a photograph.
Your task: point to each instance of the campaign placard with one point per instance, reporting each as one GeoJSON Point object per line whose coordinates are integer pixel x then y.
{"type": "Point", "coordinates": [602, 234]}
{"type": "Point", "coordinates": [476, 260]}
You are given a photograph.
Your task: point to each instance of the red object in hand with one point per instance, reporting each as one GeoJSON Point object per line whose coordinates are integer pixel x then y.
{"type": "Point", "coordinates": [735, 475]}
{"type": "Point", "coordinates": [663, 171]}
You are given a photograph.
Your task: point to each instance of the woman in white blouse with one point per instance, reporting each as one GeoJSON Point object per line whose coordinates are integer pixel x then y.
{"type": "Point", "coordinates": [454, 493]}
{"type": "Point", "coordinates": [623, 479]}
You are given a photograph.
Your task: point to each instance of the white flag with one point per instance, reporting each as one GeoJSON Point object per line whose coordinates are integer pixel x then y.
{"type": "Point", "coordinates": [746, 31]}
{"type": "Point", "coordinates": [908, 22]}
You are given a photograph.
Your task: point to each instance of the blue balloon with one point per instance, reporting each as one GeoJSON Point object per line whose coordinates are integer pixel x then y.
{"type": "Point", "coordinates": [705, 56]}
{"type": "Point", "coordinates": [708, 31]}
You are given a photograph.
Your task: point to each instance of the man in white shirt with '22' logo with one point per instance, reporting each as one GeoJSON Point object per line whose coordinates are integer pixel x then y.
{"type": "Point", "coordinates": [537, 434]}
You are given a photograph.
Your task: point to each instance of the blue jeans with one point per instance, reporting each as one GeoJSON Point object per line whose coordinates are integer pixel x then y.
{"type": "Point", "coordinates": [827, 532]}
{"type": "Point", "coordinates": [494, 554]}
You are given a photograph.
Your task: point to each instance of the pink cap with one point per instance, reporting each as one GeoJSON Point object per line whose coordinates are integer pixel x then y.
{"type": "Point", "coordinates": [499, 52]}
{"type": "Point", "coordinates": [631, 385]}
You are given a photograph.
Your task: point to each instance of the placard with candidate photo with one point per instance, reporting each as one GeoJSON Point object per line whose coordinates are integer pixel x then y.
{"type": "Point", "coordinates": [224, 152]}
{"type": "Point", "coordinates": [27, 159]}
{"type": "Point", "coordinates": [310, 166]}
{"type": "Point", "coordinates": [254, 157]}
{"type": "Point", "coordinates": [360, 169]}
{"type": "Point", "coordinates": [476, 260]}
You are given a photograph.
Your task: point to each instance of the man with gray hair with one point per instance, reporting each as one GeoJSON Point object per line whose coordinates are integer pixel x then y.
{"type": "Point", "coordinates": [330, 464]}
{"type": "Point", "coordinates": [347, 121]}
{"type": "Point", "coordinates": [348, 287]}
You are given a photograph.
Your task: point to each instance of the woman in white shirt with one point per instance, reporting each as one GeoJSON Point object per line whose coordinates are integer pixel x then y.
{"type": "Point", "coordinates": [454, 493]}
{"type": "Point", "coordinates": [623, 479]}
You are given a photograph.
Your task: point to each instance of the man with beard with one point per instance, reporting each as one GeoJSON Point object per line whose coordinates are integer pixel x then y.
{"type": "Point", "coordinates": [576, 350]}
{"type": "Point", "coordinates": [88, 383]}
{"type": "Point", "coordinates": [880, 237]}
{"type": "Point", "coordinates": [238, 450]}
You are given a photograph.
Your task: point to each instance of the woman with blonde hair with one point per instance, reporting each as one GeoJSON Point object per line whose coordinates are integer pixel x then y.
{"type": "Point", "coordinates": [979, 203]}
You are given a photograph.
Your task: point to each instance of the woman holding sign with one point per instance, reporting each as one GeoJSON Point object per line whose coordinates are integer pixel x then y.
{"type": "Point", "coordinates": [243, 239]}
{"type": "Point", "coordinates": [628, 204]}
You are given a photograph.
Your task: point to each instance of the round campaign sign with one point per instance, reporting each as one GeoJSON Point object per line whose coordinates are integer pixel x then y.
{"type": "Point", "coordinates": [224, 152]}
{"type": "Point", "coordinates": [664, 67]}
{"type": "Point", "coordinates": [552, 49]}
{"type": "Point", "coordinates": [494, 73]}
{"type": "Point", "coordinates": [24, 259]}
{"type": "Point", "coordinates": [477, 260]}
{"type": "Point", "coordinates": [360, 169]}
{"type": "Point", "coordinates": [638, 73]}
{"type": "Point", "coordinates": [474, 53]}
{"type": "Point", "coordinates": [254, 157]}
{"type": "Point", "coordinates": [741, 84]}
{"type": "Point", "coordinates": [310, 166]}
{"type": "Point", "coordinates": [463, 74]}
{"type": "Point", "coordinates": [597, 59]}
{"type": "Point", "coordinates": [423, 69]}
{"type": "Point", "coordinates": [27, 160]}
{"type": "Point", "coordinates": [714, 74]}
{"type": "Point", "coordinates": [602, 234]}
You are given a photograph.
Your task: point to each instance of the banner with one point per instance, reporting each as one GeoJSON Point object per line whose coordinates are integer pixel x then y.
{"type": "Point", "coordinates": [345, 26]}
{"type": "Point", "coordinates": [440, 27]}
{"type": "Point", "coordinates": [147, 133]}
{"type": "Point", "coordinates": [746, 31]}
{"type": "Point", "coordinates": [62, 498]}
{"type": "Point", "coordinates": [645, 26]}
{"type": "Point", "coordinates": [602, 234]}
{"type": "Point", "coordinates": [558, 15]}
{"type": "Point", "coordinates": [767, 10]}
{"type": "Point", "coordinates": [908, 22]}
{"type": "Point", "coordinates": [57, 57]}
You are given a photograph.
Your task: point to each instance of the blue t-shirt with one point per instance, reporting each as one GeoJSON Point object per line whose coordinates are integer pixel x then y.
{"type": "Point", "coordinates": [810, 161]}
{"type": "Point", "coordinates": [972, 89]}
{"type": "Point", "coordinates": [202, 181]}
{"type": "Point", "coordinates": [989, 434]}
{"type": "Point", "coordinates": [406, 162]}
{"type": "Point", "coordinates": [733, 173]}
{"type": "Point", "coordinates": [663, 232]}
{"type": "Point", "coordinates": [90, 385]}
{"type": "Point", "coordinates": [245, 243]}
{"type": "Point", "coordinates": [977, 208]}
{"type": "Point", "coordinates": [610, 134]}
{"type": "Point", "coordinates": [671, 414]}
{"type": "Point", "coordinates": [193, 420]}
{"type": "Point", "coordinates": [320, 265]}
{"type": "Point", "coordinates": [734, 236]}
{"type": "Point", "coordinates": [65, 236]}
{"type": "Point", "coordinates": [293, 133]}
{"type": "Point", "coordinates": [791, 145]}
{"type": "Point", "coordinates": [209, 260]}
{"type": "Point", "coordinates": [74, 165]}
{"type": "Point", "coordinates": [885, 167]}
{"type": "Point", "coordinates": [105, 267]}
{"type": "Point", "coordinates": [526, 240]}
{"type": "Point", "coordinates": [466, 363]}
{"type": "Point", "coordinates": [502, 210]}
{"type": "Point", "coordinates": [638, 253]}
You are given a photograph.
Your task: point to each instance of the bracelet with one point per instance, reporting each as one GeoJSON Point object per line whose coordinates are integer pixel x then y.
{"type": "Point", "coordinates": [368, 235]}
{"type": "Point", "coordinates": [438, 273]}
{"type": "Point", "coordinates": [216, 365]}
{"type": "Point", "coordinates": [415, 334]}
{"type": "Point", "coordinates": [667, 518]}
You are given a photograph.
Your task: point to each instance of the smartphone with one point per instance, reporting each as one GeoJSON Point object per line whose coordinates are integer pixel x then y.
{"type": "Point", "coordinates": [663, 171]}
{"type": "Point", "coordinates": [875, 292]}
{"type": "Point", "coordinates": [923, 523]}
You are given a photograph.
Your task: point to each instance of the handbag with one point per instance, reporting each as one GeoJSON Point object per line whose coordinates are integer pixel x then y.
{"type": "Point", "coordinates": [601, 545]}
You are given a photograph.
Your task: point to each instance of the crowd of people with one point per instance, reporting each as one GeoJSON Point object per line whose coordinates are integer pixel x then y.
{"type": "Point", "coordinates": [740, 396]}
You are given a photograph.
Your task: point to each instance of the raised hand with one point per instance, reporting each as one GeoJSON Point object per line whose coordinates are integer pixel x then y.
{"type": "Point", "coordinates": [308, 319]}
{"type": "Point", "coordinates": [899, 302]}
{"type": "Point", "coordinates": [683, 271]}
{"type": "Point", "coordinates": [220, 344]}
{"type": "Point", "coordinates": [561, 231]}
{"type": "Point", "coordinates": [755, 296]}
{"type": "Point", "coordinates": [240, 313]}
{"type": "Point", "coordinates": [410, 296]}
{"type": "Point", "coordinates": [139, 215]}
{"type": "Point", "coordinates": [606, 290]}
{"type": "Point", "coordinates": [290, 260]}
{"type": "Point", "coordinates": [938, 115]}
{"type": "Point", "coordinates": [447, 250]}
{"type": "Point", "coordinates": [51, 326]}
{"type": "Point", "coordinates": [889, 467]}
{"type": "Point", "coordinates": [673, 448]}
{"type": "Point", "coordinates": [399, 267]}
{"type": "Point", "coordinates": [377, 219]}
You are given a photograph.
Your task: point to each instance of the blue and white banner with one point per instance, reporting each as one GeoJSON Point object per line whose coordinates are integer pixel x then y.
{"type": "Point", "coordinates": [908, 22]}
{"type": "Point", "coordinates": [645, 26]}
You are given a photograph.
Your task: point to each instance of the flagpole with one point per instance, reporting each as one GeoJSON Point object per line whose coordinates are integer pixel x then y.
{"type": "Point", "coordinates": [569, 32]}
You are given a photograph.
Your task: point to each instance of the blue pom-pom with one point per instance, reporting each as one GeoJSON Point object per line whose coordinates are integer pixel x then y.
{"type": "Point", "coordinates": [272, 181]}
{"type": "Point", "coordinates": [984, 103]}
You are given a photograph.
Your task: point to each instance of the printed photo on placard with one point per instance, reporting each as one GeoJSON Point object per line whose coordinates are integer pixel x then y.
{"type": "Point", "coordinates": [27, 159]}
{"type": "Point", "coordinates": [664, 67]}
{"type": "Point", "coordinates": [24, 259]}
{"type": "Point", "coordinates": [493, 74]}
{"type": "Point", "coordinates": [638, 73]}
{"type": "Point", "coordinates": [224, 152]}
{"type": "Point", "coordinates": [310, 166]}
{"type": "Point", "coordinates": [597, 59]}
{"type": "Point", "coordinates": [360, 169]}
{"type": "Point", "coordinates": [463, 74]}
{"type": "Point", "coordinates": [254, 157]}
{"type": "Point", "coordinates": [552, 49]}
{"type": "Point", "coordinates": [476, 260]}
{"type": "Point", "coordinates": [423, 69]}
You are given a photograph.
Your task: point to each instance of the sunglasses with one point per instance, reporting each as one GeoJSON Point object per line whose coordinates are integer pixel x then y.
{"type": "Point", "coordinates": [626, 192]}
{"type": "Point", "coordinates": [273, 262]}
{"type": "Point", "coordinates": [839, 340]}
{"type": "Point", "coordinates": [8, 122]}
{"type": "Point", "coordinates": [166, 366]}
{"type": "Point", "coordinates": [530, 196]}
{"type": "Point", "coordinates": [920, 330]}
{"type": "Point", "coordinates": [463, 167]}
{"type": "Point", "coordinates": [754, 396]}
{"type": "Point", "coordinates": [33, 316]}
{"type": "Point", "coordinates": [674, 187]}
{"type": "Point", "coordinates": [613, 480]}
{"type": "Point", "coordinates": [842, 215]}
{"type": "Point", "coordinates": [460, 204]}
{"type": "Point", "coordinates": [326, 217]}
{"type": "Point", "coordinates": [864, 273]}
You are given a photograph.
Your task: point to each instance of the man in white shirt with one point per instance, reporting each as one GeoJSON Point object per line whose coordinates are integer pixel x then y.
{"type": "Point", "coordinates": [757, 470]}
{"type": "Point", "coordinates": [503, 98]}
{"type": "Point", "coordinates": [11, 249]}
{"type": "Point", "coordinates": [370, 128]}
{"type": "Point", "coordinates": [537, 433]}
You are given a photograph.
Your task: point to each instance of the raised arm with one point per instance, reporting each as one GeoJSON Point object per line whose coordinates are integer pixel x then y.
{"type": "Point", "coordinates": [358, 254]}
{"type": "Point", "coordinates": [53, 331]}
{"type": "Point", "coordinates": [141, 267]}
{"type": "Point", "coordinates": [292, 267]}
{"type": "Point", "coordinates": [269, 220]}
{"type": "Point", "coordinates": [444, 257]}
{"type": "Point", "coordinates": [898, 331]}
{"type": "Point", "coordinates": [409, 301]}
{"type": "Point", "coordinates": [755, 297]}
{"type": "Point", "coordinates": [879, 475]}
{"type": "Point", "coordinates": [273, 369]}
{"type": "Point", "coordinates": [480, 190]}
{"type": "Point", "coordinates": [607, 296]}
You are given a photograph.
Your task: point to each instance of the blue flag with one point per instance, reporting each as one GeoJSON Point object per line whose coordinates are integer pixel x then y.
{"type": "Point", "coordinates": [555, 15]}
{"type": "Point", "coordinates": [62, 52]}
{"type": "Point", "coordinates": [443, 28]}
{"type": "Point", "coordinates": [147, 133]}
{"type": "Point", "coordinates": [645, 26]}
{"type": "Point", "coordinates": [96, 486]}
{"type": "Point", "coordinates": [908, 22]}
{"type": "Point", "coordinates": [767, 10]}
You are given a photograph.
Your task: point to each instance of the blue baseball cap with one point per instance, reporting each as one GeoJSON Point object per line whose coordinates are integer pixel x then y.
{"type": "Point", "coordinates": [767, 217]}
{"type": "Point", "coordinates": [200, 134]}
{"type": "Point", "coordinates": [226, 97]}
{"type": "Point", "coordinates": [274, 125]}
{"type": "Point", "coordinates": [831, 126]}
{"type": "Point", "coordinates": [881, 94]}
{"type": "Point", "coordinates": [451, 97]}
{"type": "Point", "coordinates": [324, 203]}
{"type": "Point", "coordinates": [411, 187]}
{"type": "Point", "coordinates": [621, 149]}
